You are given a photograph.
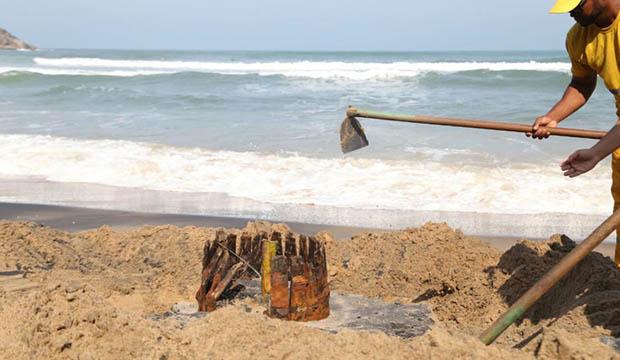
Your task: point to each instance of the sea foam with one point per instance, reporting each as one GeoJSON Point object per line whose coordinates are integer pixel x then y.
{"type": "Point", "coordinates": [307, 69]}
{"type": "Point", "coordinates": [345, 182]}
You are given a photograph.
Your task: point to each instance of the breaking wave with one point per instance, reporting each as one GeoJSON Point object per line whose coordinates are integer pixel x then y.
{"type": "Point", "coordinates": [305, 69]}
{"type": "Point", "coordinates": [291, 179]}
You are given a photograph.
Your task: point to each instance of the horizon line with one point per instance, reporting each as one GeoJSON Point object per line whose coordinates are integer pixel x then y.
{"type": "Point", "coordinates": [296, 51]}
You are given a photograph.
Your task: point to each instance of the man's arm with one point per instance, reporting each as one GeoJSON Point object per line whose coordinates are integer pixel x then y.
{"type": "Point", "coordinates": [582, 161]}
{"type": "Point", "coordinates": [575, 96]}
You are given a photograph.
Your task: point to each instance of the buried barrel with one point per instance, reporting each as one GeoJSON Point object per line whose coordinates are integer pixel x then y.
{"type": "Point", "coordinates": [293, 271]}
{"type": "Point", "coordinates": [304, 296]}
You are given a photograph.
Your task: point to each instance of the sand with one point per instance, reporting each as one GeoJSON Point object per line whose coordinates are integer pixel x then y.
{"type": "Point", "coordinates": [100, 294]}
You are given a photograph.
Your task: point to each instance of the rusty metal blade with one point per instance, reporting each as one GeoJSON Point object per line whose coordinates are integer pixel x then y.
{"type": "Point", "coordinates": [352, 135]}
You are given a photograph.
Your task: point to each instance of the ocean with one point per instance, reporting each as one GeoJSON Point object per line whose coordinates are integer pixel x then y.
{"type": "Point", "coordinates": [255, 134]}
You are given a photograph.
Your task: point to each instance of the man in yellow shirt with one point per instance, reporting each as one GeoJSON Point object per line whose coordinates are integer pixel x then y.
{"type": "Point", "coordinates": [593, 45]}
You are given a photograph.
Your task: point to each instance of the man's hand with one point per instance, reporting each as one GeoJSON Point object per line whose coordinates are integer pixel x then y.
{"type": "Point", "coordinates": [538, 131]}
{"type": "Point", "coordinates": [579, 162]}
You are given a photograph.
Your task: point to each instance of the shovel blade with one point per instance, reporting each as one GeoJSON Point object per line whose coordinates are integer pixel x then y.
{"type": "Point", "coordinates": [352, 135]}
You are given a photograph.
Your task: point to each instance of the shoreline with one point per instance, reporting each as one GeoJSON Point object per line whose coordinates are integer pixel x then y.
{"type": "Point", "coordinates": [74, 219]}
{"type": "Point", "coordinates": [96, 196]}
{"type": "Point", "coordinates": [69, 218]}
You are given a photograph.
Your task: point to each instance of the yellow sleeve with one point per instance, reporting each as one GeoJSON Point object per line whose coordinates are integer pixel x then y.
{"type": "Point", "coordinates": [578, 66]}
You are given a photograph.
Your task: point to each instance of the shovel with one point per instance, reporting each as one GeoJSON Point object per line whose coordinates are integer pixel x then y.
{"type": "Point", "coordinates": [352, 135]}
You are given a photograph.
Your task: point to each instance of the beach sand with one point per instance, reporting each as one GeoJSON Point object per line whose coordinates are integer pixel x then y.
{"type": "Point", "coordinates": [71, 288]}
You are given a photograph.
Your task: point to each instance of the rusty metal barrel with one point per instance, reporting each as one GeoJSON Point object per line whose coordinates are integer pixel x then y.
{"type": "Point", "coordinates": [293, 270]}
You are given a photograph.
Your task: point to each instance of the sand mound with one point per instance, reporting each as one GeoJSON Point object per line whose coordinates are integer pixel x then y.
{"type": "Point", "coordinates": [469, 284]}
{"type": "Point", "coordinates": [31, 247]}
{"type": "Point", "coordinates": [587, 300]}
{"type": "Point", "coordinates": [433, 263]}
{"type": "Point", "coordinates": [98, 292]}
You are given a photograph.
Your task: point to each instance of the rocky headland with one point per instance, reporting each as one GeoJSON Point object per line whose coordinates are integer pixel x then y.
{"type": "Point", "coordinates": [8, 41]}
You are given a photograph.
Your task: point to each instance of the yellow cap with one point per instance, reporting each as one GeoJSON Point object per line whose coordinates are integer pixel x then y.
{"type": "Point", "coordinates": [564, 6]}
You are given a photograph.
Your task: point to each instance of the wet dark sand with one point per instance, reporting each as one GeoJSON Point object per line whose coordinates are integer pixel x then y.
{"type": "Point", "coordinates": [79, 219]}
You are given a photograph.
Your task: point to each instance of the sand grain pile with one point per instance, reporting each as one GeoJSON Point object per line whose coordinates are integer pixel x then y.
{"type": "Point", "coordinates": [433, 263]}
{"type": "Point", "coordinates": [101, 294]}
{"type": "Point", "coordinates": [470, 284]}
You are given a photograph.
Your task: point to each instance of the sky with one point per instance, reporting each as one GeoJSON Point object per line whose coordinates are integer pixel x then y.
{"type": "Point", "coordinates": [332, 25]}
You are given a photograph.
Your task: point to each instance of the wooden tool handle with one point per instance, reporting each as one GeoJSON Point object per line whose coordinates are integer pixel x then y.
{"type": "Point", "coordinates": [477, 124]}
